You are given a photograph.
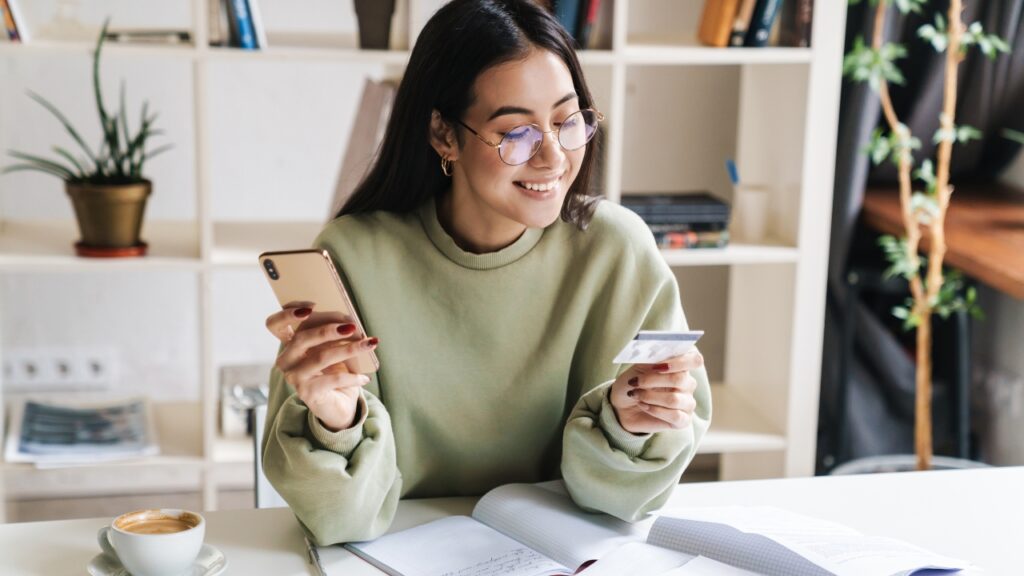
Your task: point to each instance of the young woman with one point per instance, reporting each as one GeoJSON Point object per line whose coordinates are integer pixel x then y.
{"type": "Point", "coordinates": [500, 291]}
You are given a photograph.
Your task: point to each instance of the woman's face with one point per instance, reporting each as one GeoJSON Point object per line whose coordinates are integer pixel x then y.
{"type": "Point", "coordinates": [537, 90]}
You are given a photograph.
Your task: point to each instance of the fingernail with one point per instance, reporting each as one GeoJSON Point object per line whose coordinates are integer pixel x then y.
{"type": "Point", "coordinates": [364, 379]}
{"type": "Point", "coordinates": [346, 329]}
{"type": "Point", "coordinates": [634, 381]}
{"type": "Point", "coordinates": [372, 342]}
{"type": "Point", "coordinates": [303, 312]}
{"type": "Point", "coordinates": [661, 367]}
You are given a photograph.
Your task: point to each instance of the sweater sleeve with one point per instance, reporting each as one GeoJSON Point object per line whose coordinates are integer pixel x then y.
{"type": "Point", "coordinates": [342, 486]}
{"type": "Point", "coordinates": [608, 469]}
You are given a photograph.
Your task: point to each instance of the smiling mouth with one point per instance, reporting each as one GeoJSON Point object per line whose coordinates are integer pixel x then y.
{"type": "Point", "coordinates": [543, 186]}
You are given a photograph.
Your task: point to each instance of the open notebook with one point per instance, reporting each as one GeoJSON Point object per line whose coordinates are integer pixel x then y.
{"type": "Point", "coordinates": [536, 530]}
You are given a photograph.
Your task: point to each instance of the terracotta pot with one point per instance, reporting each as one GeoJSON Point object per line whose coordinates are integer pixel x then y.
{"type": "Point", "coordinates": [109, 216]}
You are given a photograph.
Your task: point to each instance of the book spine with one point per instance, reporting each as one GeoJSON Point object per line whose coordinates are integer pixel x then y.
{"type": "Point", "coordinates": [256, 18]}
{"type": "Point", "coordinates": [246, 38]}
{"type": "Point", "coordinates": [587, 22]}
{"type": "Point", "coordinates": [17, 31]}
{"type": "Point", "coordinates": [567, 12]}
{"type": "Point", "coordinates": [741, 23]}
{"type": "Point", "coordinates": [761, 23]}
{"type": "Point", "coordinates": [215, 33]}
{"type": "Point", "coordinates": [795, 23]}
{"type": "Point", "coordinates": [716, 22]}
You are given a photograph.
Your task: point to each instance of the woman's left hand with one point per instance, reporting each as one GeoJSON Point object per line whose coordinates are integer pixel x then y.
{"type": "Point", "coordinates": [655, 397]}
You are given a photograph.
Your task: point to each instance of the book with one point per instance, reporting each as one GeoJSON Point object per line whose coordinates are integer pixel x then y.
{"type": "Point", "coordinates": [242, 35]}
{"type": "Point", "coordinates": [219, 33]}
{"type": "Point", "coordinates": [45, 432]}
{"type": "Point", "coordinates": [692, 239]}
{"type": "Point", "coordinates": [568, 13]}
{"type": "Point", "coordinates": [589, 12]}
{"type": "Point", "coordinates": [741, 22]}
{"type": "Point", "coordinates": [716, 22]}
{"type": "Point", "coordinates": [761, 22]}
{"type": "Point", "coordinates": [679, 209]}
{"type": "Point", "coordinates": [256, 21]}
{"type": "Point", "coordinates": [149, 36]}
{"type": "Point", "coordinates": [367, 133]}
{"type": "Point", "coordinates": [14, 23]}
{"type": "Point", "coordinates": [537, 530]}
{"type": "Point", "coordinates": [795, 23]}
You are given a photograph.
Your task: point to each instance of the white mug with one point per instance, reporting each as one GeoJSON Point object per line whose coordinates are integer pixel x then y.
{"type": "Point", "coordinates": [155, 542]}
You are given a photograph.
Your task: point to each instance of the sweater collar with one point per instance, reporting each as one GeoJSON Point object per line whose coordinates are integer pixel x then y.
{"type": "Point", "coordinates": [446, 244]}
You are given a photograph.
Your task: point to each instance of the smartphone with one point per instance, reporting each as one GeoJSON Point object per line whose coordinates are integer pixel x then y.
{"type": "Point", "coordinates": [308, 278]}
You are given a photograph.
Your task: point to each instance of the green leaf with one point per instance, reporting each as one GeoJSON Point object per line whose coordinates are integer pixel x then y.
{"type": "Point", "coordinates": [907, 6]}
{"type": "Point", "coordinates": [900, 312]}
{"type": "Point", "coordinates": [34, 168]}
{"type": "Point", "coordinates": [926, 174]}
{"type": "Point", "coordinates": [924, 207]}
{"type": "Point", "coordinates": [68, 174]}
{"type": "Point", "coordinates": [966, 133]}
{"type": "Point", "coordinates": [67, 124]}
{"type": "Point", "coordinates": [82, 172]}
{"type": "Point", "coordinates": [895, 251]}
{"type": "Point", "coordinates": [1013, 135]}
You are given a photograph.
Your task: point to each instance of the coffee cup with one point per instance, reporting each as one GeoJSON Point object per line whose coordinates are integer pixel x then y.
{"type": "Point", "coordinates": [155, 542]}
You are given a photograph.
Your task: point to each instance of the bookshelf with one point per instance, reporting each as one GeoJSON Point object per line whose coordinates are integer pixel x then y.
{"type": "Point", "coordinates": [774, 110]}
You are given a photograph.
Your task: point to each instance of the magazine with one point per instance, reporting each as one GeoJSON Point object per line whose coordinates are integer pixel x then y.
{"type": "Point", "coordinates": [45, 432]}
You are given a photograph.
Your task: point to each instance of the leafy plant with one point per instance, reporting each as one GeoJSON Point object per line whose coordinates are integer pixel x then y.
{"type": "Point", "coordinates": [120, 157]}
{"type": "Point", "coordinates": [924, 211]}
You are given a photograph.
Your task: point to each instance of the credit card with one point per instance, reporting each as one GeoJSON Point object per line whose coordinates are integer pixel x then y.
{"type": "Point", "coordinates": [656, 346]}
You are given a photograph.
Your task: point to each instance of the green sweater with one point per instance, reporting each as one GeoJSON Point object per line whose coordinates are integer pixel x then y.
{"type": "Point", "coordinates": [494, 368]}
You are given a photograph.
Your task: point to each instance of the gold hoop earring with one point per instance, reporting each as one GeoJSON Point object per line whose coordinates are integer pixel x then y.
{"type": "Point", "coordinates": [446, 166]}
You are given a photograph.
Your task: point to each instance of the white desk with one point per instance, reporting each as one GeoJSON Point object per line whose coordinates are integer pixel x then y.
{"type": "Point", "coordinates": [977, 515]}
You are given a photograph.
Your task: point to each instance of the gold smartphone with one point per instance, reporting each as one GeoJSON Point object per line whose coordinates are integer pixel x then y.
{"type": "Point", "coordinates": [308, 278]}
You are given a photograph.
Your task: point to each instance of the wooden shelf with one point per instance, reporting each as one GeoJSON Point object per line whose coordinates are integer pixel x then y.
{"type": "Point", "coordinates": [239, 244]}
{"type": "Point", "coordinates": [179, 466]}
{"type": "Point", "coordinates": [984, 231]}
{"type": "Point", "coordinates": [45, 46]}
{"type": "Point", "coordinates": [48, 246]}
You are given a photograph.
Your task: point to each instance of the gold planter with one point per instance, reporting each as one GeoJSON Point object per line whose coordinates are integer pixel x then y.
{"type": "Point", "coordinates": [109, 217]}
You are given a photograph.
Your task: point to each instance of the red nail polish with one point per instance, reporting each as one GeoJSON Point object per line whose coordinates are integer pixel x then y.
{"type": "Point", "coordinates": [634, 381]}
{"type": "Point", "coordinates": [372, 341]}
{"type": "Point", "coordinates": [661, 367]}
{"type": "Point", "coordinates": [346, 329]}
{"type": "Point", "coordinates": [303, 312]}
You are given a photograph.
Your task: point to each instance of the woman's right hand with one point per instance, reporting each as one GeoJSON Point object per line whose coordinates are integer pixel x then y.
{"type": "Point", "coordinates": [312, 362]}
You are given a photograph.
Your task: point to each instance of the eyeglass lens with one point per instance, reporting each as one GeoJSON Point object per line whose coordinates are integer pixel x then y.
{"type": "Point", "coordinates": [522, 142]}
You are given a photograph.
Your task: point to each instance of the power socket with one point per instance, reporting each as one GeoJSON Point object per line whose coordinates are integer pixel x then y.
{"type": "Point", "coordinates": [59, 369]}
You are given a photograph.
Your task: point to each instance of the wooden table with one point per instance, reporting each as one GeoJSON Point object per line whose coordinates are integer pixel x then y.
{"type": "Point", "coordinates": [984, 231]}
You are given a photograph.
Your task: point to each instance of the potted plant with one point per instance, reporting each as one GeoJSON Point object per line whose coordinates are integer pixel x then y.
{"type": "Point", "coordinates": [107, 187]}
{"type": "Point", "coordinates": [924, 211]}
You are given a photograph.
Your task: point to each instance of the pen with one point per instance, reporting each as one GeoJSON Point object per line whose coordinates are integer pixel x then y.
{"type": "Point", "coordinates": [314, 556]}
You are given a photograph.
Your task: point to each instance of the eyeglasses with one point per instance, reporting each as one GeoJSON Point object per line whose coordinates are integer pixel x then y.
{"type": "Point", "coordinates": [521, 143]}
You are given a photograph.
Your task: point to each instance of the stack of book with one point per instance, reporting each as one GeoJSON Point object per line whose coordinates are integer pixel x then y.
{"type": "Point", "coordinates": [754, 23]}
{"type": "Point", "coordinates": [693, 220]}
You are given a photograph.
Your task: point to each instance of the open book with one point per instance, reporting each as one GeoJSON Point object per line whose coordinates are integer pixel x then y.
{"type": "Point", "coordinates": [536, 530]}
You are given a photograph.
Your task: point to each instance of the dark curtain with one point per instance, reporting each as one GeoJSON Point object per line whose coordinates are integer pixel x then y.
{"type": "Point", "coordinates": [875, 415]}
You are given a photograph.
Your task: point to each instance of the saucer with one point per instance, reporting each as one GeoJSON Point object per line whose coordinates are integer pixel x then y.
{"type": "Point", "coordinates": [210, 562]}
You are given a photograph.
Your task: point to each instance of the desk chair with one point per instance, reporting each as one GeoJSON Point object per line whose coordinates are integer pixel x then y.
{"type": "Point", "coordinates": [266, 496]}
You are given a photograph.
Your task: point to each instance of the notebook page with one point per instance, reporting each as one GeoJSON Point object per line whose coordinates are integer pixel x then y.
{"type": "Point", "coordinates": [703, 566]}
{"type": "Point", "coordinates": [454, 546]}
{"type": "Point", "coordinates": [828, 546]}
{"type": "Point", "coordinates": [552, 524]}
{"type": "Point", "coordinates": [637, 559]}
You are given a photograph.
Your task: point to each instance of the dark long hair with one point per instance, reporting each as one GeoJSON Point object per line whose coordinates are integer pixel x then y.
{"type": "Point", "coordinates": [464, 38]}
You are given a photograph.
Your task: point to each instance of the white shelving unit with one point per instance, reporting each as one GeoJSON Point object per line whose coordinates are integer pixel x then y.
{"type": "Point", "coordinates": [774, 110]}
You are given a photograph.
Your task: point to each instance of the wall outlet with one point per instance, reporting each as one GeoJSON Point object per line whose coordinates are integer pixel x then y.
{"type": "Point", "coordinates": [59, 369]}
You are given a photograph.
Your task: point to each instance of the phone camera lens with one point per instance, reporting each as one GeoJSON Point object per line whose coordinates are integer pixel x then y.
{"type": "Point", "coordinates": [271, 271]}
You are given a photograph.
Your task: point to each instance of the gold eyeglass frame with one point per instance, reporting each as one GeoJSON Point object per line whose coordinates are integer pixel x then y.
{"type": "Point", "coordinates": [600, 118]}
